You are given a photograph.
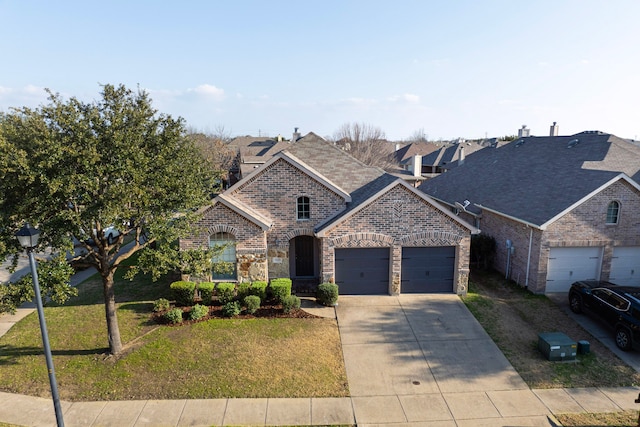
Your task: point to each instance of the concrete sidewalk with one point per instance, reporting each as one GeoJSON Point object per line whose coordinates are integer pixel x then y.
{"type": "Point", "coordinates": [506, 408]}
{"type": "Point", "coordinates": [411, 360]}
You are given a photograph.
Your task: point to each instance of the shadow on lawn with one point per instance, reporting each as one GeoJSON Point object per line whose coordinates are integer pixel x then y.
{"type": "Point", "coordinates": [9, 354]}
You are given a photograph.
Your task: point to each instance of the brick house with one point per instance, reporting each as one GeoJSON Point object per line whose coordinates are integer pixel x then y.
{"type": "Point", "coordinates": [315, 214]}
{"type": "Point", "coordinates": [561, 208]}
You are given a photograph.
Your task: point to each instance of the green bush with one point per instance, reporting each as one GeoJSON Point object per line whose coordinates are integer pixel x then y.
{"type": "Point", "coordinates": [173, 316]}
{"type": "Point", "coordinates": [206, 291]}
{"type": "Point", "coordinates": [225, 292]}
{"type": "Point", "coordinates": [231, 309]}
{"type": "Point", "coordinates": [161, 304]}
{"type": "Point", "coordinates": [198, 312]}
{"type": "Point", "coordinates": [290, 302]}
{"type": "Point", "coordinates": [280, 289]}
{"type": "Point", "coordinates": [327, 294]}
{"type": "Point", "coordinates": [244, 290]}
{"type": "Point", "coordinates": [259, 289]}
{"type": "Point", "coordinates": [183, 292]}
{"type": "Point", "coordinates": [252, 302]}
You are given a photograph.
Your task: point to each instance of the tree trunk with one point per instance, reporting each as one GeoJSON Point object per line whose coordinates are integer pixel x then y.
{"type": "Point", "coordinates": [113, 330]}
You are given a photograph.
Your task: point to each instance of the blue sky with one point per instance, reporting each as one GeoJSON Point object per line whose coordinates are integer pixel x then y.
{"type": "Point", "coordinates": [449, 68]}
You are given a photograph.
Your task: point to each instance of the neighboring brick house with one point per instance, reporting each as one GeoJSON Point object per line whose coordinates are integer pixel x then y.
{"type": "Point", "coordinates": [561, 208]}
{"type": "Point", "coordinates": [315, 214]}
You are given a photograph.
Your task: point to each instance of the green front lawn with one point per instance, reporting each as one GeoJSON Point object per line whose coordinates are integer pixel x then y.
{"type": "Point", "coordinates": [219, 358]}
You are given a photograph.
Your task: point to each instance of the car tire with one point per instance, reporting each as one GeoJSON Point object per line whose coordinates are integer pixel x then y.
{"type": "Point", "coordinates": [110, 239]}
{"type": "Point", "coordinates": [575, 303]}
{"type": "Point", "coordinates": [623, 339]}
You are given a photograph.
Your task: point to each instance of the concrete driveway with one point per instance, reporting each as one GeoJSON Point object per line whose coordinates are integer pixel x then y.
{"type": "Point", "coordinates": [598, 329]}
{"type": "Point", "coordinates": [425, 358]}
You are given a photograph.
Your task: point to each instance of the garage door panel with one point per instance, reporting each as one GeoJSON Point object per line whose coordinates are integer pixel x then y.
{"type": "Point", "coordinates": [428, 269]}
{"type": "Point", "coordinates": [625, 266]}
{"type": "Point", "coordinates": [362, 271]}
{"type": "Point", "coordinates": [569, 264]}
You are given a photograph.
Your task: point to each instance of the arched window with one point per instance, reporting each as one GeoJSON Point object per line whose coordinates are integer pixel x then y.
{"type": "Point", "coordinates": [227, 243]}
{"type": "Point", "coordinates": [613, 211]}
{"type": "Point", "coordinates": [303, 208]}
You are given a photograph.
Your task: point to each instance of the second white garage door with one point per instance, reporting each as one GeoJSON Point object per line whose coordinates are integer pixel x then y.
{"type": "Point", "coordinates": [625, 266]}
{"type": "Point", "coordinates": [567, 265]}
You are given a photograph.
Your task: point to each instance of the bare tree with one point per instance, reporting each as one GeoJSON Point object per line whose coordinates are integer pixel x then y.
{"type": "Point", "coordinates": [366, 143]}
{"type": "Point", "coordinates": [216, 152]}
{"type": "Point", "coordinates": [419, 136]}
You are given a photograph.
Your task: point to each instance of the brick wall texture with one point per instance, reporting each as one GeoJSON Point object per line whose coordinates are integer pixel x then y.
{"type": "Point", "coordinates": [398, 218]}
{"type": "Point", "coordinates": [584, 226]}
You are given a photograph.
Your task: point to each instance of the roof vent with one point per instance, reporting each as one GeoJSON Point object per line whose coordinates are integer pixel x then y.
{"type": "Point", "coordinates": [573, 143]}
{"type": "Point", "coordinates": [519, 142]}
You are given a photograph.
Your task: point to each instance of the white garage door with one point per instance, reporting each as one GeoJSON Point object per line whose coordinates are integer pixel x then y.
{"type": "Point", "coordinates": [567, 265]}
{"type": "Point", "coordinates": [625, 266]}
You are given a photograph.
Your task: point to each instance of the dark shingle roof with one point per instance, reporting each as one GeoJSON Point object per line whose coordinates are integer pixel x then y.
{"type": "Point", "coordinates": [356, 178]}
{"type": "Point", "coordinates": [536, 178]}
{"type": "Point", "coordinates": [335, 165]}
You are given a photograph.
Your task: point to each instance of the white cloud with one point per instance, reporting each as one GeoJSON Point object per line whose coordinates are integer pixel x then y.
{"type": "Point", "coordinates": [209, 90]}
{"type": "Point", "coordinates": [407, 97]}
{"type": "Point", "coordinates": [34, 90]}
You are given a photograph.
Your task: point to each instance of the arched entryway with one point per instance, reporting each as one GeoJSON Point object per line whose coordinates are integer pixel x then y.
{"type": "Point", "coordinates": [304, 262]}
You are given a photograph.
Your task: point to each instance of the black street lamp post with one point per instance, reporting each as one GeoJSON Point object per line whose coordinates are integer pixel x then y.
{"type": "Point", "coordinates": [28, 238]}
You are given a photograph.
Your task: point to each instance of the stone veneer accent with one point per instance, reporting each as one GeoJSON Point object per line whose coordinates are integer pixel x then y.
{"type": "Point", "coordinates": [397, 218]}
{"type": "Point", "coordinates": [251, 245]}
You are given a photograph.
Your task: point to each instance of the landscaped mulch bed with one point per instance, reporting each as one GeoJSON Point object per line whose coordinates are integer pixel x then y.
{"type": "Point", "coordinates": [215, 312]}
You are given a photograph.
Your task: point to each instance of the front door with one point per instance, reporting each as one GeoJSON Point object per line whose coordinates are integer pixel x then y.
{"type": "Point", "coordinates": [304, 253]}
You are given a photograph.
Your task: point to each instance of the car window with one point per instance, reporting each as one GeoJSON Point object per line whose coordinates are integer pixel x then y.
{"type": "Point", "coordinates": [602, 294]}
{"type": "Point", "coordinates": [618, 302]}
{"type": "Point", "coordinates": [612, 299]}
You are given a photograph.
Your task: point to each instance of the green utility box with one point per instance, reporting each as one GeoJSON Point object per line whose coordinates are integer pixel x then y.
{"type": "Point", "coordinates": [557, 346]}
{"type": "Point", "coordinates": [583, 347]}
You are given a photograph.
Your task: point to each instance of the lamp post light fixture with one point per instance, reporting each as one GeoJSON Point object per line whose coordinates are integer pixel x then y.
{"type": "Point", "coordinates": [28, 238]}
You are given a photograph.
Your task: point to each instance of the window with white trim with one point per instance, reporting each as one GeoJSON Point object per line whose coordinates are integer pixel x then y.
{"type": "Point", "coordinates": [228, 254]}
{"type": "Point", "coordinates": [613, 211]}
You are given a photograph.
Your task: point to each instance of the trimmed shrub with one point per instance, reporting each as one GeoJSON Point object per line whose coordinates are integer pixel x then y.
{"type": "Point", "coordinates": [173, 316]}
{"type": "Point", "coordinates": [244, 290]}
{"type": "Point", "coordinates": [183, 292]}
{"type": "Point", "coordinates": [198, 311]}
{"type": "Point", "coordinates": [259, 289]}
{"type": "Point", "coordinates": [206, 291]}
{"type": "Point", "coordinates": [290, 302]}
{"type": "Point", "coordinates": [225, 292]}
{"type": "Point", "coordinates": [327, 294]}
{"type": "Point", "coordinates": [161, 304]}
{"type": "Point", "coordinates": [231, 309]}
{"type": "Point", "coordinates": [280, 289]}
{"type": "Point", "coordinates": [252, 302]}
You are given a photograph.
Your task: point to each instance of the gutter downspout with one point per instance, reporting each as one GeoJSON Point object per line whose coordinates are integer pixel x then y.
{"type": "Point", "coordinates": [526, 280]}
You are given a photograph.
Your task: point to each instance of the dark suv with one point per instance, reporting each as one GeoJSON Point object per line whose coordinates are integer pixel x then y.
{"type": "Point", "coordinates": [618, 306]}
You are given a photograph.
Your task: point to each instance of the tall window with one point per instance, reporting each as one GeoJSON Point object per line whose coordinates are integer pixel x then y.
{"type": "Point", "coordinates": [613, 210]}
{"type": "Point", "coordinates": [228, 255]}
{"type": "Point", "coordinates": [303, 208]}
